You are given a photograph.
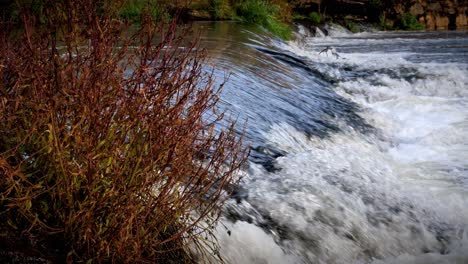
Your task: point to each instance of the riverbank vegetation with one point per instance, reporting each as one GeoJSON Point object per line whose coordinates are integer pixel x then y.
{"type": "Point", "coordinates": [313, 17]}
{"type": "Point", "coordinates": [273, 15]}
{"type": "Point", "coordinates": [276, 16]}
{"type": "Point", "coordinates": [221, 9]}
{"type": "Point", "coordinates": [265, 14]}
{"type": "Point", "coordinates": [108, 151]}
{"type": "Point", "coordinates": [131, 10]}
{"type": "Point", "coordinates": [409, 22]}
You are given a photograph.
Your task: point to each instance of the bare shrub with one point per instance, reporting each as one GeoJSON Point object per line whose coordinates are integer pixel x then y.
{"type": "Point", "coordinates": [108, 149]}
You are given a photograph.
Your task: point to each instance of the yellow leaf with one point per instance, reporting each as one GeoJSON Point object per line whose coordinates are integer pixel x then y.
{"type": "Point", "coordinates": [108, 165]}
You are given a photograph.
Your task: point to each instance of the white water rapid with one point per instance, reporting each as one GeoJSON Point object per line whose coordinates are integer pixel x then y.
{"type": "Point", "coordinates": [394, 190]}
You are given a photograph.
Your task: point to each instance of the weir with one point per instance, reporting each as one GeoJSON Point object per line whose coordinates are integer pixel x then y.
{"type": "Point", "coordinates": [356, 158]}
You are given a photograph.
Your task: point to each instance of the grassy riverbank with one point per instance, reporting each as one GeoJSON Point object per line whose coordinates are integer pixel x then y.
{"type": "Point", "coordinates": [276, 16]}
{"type": "Point", "coordinates": [264, 14]}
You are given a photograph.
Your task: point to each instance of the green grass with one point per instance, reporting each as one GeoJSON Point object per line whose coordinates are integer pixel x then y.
{"type": "Point", "coordinates": [131, 10]}
{"type": "Point", "coordinates": [315, 17]}
{"type": "Point", "coordinates": [297, 16]}
{"type": "Point", "coordinates": [279, 28]}
{"type": "Point", "coordinates": [351, 26]}
{"type": "Point", "coordinates": [221, 9]}
{"type": "Point", "coordinates": [410, 22]}
{"type": "Point", "coordinates": [264, 14]}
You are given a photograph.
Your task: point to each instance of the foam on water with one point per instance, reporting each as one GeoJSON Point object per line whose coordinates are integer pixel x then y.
{"type": "Point", "coordinates": [334, 30]}
{"type": "Point", "coordinates": [396, 195]}
{"type": "Point", "coordinates": [248, 243]}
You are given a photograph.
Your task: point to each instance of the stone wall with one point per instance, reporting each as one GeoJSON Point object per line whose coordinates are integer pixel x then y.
{"type": "Point", "coordinates": [440, 15]}
{"type": "Point", "coordinates": [434, 14]}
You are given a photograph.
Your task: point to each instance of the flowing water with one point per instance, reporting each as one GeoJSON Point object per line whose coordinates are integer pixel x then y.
{"type": "Point", "coordinates": [359, 155]}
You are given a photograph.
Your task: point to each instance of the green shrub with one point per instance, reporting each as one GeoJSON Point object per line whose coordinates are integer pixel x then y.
{"type": "Point", "coordinates": [378, 8]}
{"type": "Point", "coordinates": [221, 9]}
{"type": "Point", "coordinates": [315, 17]}
{"type": "Point", "coordinates": [279, 28]}
{"type": "Point", "coordinates": [264, 14]}
{"type": "Point", "coordinates": [410, 22]}
{"type": "Point", "coordinates": [351, 26]}
{"type": "Point", "coordinates": [105, 151]}
{"type": "Point", "coordinates": [255, 11]}
{"type": "Point", "coordinates": [131, 10]}
{"type": "Point", "coordinates": [383, 22]}
{"type": "Point", "coordinates": [297, 16]}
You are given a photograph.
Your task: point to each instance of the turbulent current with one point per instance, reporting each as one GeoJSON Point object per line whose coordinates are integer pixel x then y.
{"type": "Point", "coordinates": [359, 145]}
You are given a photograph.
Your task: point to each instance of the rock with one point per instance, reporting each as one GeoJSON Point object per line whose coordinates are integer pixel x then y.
{"type": "Point", "coordinates": [434, 7]}
{"type": "Point", "coordinates": [389, 23]}
{"type": "Point", "coordinates": [422, 20]}
{"type": "Point", "coordinates": [430, 22]}
{"type": "Point", "coordinates": [200, 14]}
{"type": "Point", "coordinates": [461, 21]}
{"type": "Point", "coordinates": [435, 15]}
{"type": "Point", "coordinates": [416, 9]}
{"type": "Point", "coordinates": [441, 22]}
{"type": "Point", "coordinates": [399, 8]}
{"type": "Point", "coordinates": [449, 7]}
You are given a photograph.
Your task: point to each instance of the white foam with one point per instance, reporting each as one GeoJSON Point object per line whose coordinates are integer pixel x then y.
{"type": "Point", "coordinates": [335, 30]}
{"type": "Point", "coordinates": [327, 190]}
{"type": "Point", "coordinates": [242, 242]}
{"type": "Point", "coordinates": [459, 255]}
{"type": "Point", "coordinates": [387, 197]}
{"type": "Point", "coordinates": [319, 33]}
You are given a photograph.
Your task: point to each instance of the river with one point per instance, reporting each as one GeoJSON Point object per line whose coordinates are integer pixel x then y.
{"type": "Point", "coordinates": [359, 155]}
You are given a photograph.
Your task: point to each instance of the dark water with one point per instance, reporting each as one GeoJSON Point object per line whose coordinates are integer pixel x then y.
{"type": "Point", "coordinates": [358, 157]}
